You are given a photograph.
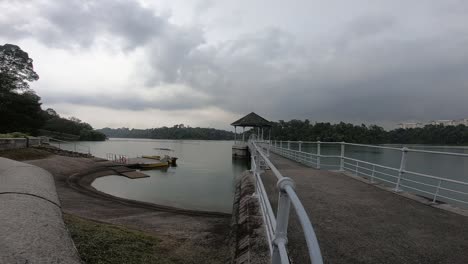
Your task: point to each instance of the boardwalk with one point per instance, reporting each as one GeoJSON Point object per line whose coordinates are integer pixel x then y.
{"type": "Point", "coordinates": [359, 223]}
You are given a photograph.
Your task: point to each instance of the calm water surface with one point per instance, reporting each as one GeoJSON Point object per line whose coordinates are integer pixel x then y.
{"type": "Point", "coordinates": [203, 179]}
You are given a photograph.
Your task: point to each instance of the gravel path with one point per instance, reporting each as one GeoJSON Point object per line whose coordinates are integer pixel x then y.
{"type": "Point", "coordinates": [359, 223]}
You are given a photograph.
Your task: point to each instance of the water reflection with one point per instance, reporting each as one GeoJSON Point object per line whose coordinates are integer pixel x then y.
{"type": "Point", "coordinates": [203, 179]}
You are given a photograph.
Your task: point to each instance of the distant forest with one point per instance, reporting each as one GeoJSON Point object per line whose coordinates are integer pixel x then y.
{"type": "Point", "coordinates": [307, 131]}
{"type": "Point", "coordinates": [430, 134]}
{"type": "Point", "coordinates": [175, 132]}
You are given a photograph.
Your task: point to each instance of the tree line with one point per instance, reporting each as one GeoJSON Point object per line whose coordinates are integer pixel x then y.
{"type": "Point", "coordinates": [20, 106]}
{"type": "Point", "coordinates": [175, 132]}
{"type": "Point", "coordinates": [373, 134]}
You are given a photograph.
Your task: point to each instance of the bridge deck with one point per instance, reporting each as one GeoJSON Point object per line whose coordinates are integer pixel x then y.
{"type": "Point", "coordinates": [359, 223]}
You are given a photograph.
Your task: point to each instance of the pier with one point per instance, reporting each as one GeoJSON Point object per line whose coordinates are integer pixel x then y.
{"type": "Point", "coordinates": [322, 203]}
{"type": "Point", "coordinates": [357, 222]}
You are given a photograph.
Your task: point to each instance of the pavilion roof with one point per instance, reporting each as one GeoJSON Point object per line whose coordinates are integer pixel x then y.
{"type": "Point", "coordinates": [252, 120]}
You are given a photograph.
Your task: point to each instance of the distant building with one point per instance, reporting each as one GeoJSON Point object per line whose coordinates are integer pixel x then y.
{"type": "Point", "coordinates": [411, 125]}
{"type": "Point", "coordinates": [443, 122]}
{"type": "Point", "coordinates": [461, 122]}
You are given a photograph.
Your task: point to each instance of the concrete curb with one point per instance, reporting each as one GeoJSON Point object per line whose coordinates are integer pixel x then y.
{"type": "Point", "coordinates": [31, 224]}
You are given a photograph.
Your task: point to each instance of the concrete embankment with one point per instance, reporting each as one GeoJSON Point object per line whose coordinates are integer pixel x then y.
{"type": "Point", "coordinates": [16, 143]}
{"type": "Point", "coordinates": [248, 242]}
{"type": "Point", "coordinates": [31, 223]}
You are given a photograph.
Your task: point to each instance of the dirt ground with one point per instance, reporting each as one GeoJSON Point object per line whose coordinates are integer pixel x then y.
{"type": "Point", "coordinates": [199, 236]}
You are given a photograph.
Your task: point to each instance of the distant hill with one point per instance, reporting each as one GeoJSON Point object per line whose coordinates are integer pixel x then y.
{"type": "Point", "coordinates": [175, 132]}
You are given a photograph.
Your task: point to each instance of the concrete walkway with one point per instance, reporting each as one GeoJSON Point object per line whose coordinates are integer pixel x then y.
{"type": "Point", "coordinates": [31, 224]}
{"type": "Point", "coordinates": [359, 223]}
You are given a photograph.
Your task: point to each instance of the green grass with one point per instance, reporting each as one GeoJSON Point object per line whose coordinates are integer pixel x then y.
{"type": "Point", "coordinates": [101, 243]}
{"type": "Point", "coordinates": [24, 154]}
{"type": "Point", "coordinates": [14, 135]}
{"type": "Point", "coordinates": [104, 243]}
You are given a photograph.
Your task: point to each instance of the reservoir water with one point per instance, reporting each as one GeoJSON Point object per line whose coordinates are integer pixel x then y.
{"type": "Point", "coordinates": [204, 177]}
{"type": "Point", "coordinates": [202, 180]}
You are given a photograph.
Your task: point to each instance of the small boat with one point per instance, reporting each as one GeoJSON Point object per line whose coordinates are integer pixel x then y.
{"type": "Point", "coordinates": [166, 153]}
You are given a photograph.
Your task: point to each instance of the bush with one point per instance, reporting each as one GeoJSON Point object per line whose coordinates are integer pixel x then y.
{"type": "Point", "coordinates": [14, 135]}
{"type": "Point", "coordinates": [91, 135]}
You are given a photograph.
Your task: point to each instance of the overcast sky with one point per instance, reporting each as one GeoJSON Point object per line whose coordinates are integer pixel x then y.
{"type": "Point", "coordinates": [147, 64]}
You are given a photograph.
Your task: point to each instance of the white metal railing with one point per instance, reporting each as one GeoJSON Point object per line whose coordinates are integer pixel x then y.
{"type": "Point", "coordinates": [117, 158]}
{"type": "Point", "coordinates": [276, 227]}
{"type": "Point", "coordinates": [76, 147]}
{"type": "Point", "coordinates": [433, 187]}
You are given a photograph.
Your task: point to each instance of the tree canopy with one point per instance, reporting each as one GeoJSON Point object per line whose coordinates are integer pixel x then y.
{"type": "Point", "coordinates": [430, 134]}
{"type": "Point", "coordinates": [20, 106]}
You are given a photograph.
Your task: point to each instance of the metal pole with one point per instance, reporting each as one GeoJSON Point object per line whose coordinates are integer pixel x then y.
{"type": "Point", "coordinates": [373, 173]}
{"type": "Point", "coordinates": [357, 166]}
{"type": "Point", "coordinates": [300, 145]}
{"type": "Point", "coordinates": [318, 155]}
{"type": "Point", "coordinates": [253, 166]}
{"type": "Point", "coordinates": [342, 156]}
{"type": "Point", "coordinates": [437, 192]}
{"type": "Point", "coordinates": [289, 144]}
{"type": "Point", "coordinates": [402, 168]}
{"type": "Point", "coordinates": [281, 232]}
{"type": "Point", "coordinates": [268, 149]}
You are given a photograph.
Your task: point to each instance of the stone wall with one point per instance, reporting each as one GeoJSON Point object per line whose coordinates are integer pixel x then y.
{"type": "Point", "coordinates": [248, 239]}
{"type": "Point", "coordinates": [16, 143]}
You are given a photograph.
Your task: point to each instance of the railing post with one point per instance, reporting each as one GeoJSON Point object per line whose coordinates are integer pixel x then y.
{"type": "Point", "coordinates": [318, 155]}
{"type": "Point", "coordinates": [282, 219]}
{"type": "Point", "coordinates": [357, 166]}
{"type": "Point", "coordinates": [268, 149]}
{"type": "Point", "coordinates": [253, 165]}
{"type": "Point", "coordinates": [437, 192]}
{"type": "Point", "coordinates": [300, 145]}
{"type": "Point", "coordinates": [342, 156]}
{"type": "Point", "coordinates": [74, 146]}
{"type": "Point", "coordinates": [373, 173]}
{"type": "Point", "coordinates": [404, 151]}
{"type": "Point", "coordinates": [289, 145]}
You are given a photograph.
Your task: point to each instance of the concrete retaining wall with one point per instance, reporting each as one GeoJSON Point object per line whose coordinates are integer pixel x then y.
{"type": "Point", "coordinates": [16, 143]}
{"type": "Point", "coordinates": [248, 241]}
{"type": "Point", "coordinates": [31, 224]}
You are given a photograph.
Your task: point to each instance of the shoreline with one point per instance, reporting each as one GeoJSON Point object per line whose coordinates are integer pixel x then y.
{"type": "Point", "coordinates": [82, 182]}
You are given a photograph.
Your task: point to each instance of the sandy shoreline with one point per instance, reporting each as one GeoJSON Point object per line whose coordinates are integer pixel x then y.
{"type": "Point", "coordinates": [194, 230]}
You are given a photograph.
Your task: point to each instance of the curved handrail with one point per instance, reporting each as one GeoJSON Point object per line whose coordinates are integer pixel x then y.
{"type": "Point", "coordinates": [288, 195]}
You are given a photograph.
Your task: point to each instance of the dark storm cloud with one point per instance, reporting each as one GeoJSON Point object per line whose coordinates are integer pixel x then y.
{"type": "Point", "coordinates": [374, 67]}
{"type": "Point", "coordinates": [128, 102]}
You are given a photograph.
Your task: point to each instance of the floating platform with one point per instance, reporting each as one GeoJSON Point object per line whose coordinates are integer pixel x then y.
{"type": "Point", "coordinates": [146, 163]}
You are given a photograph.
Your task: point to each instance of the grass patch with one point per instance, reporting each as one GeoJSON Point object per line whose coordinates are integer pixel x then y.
{"type": "Point", "coordinates": [14, 135]}
{"type": "Point", "coordinates": [104, 243]}
{"type": "Point", "coordinates": [101, 243]}
{"type": "Point", "coordinates": [24, 154]}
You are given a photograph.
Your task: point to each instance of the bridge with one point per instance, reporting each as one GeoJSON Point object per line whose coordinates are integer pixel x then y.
{"type": "Point", "coordinates": [323, 203]}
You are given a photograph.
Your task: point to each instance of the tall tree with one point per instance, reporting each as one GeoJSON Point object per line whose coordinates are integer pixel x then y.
{"type": "Point", "coordinates": [20, 107]}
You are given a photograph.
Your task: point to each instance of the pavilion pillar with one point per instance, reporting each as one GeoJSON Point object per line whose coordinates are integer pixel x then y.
{"type": "Point", "coordinates": [235, 135]}
{"type": "Point", "coordinates": [243, 134]}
